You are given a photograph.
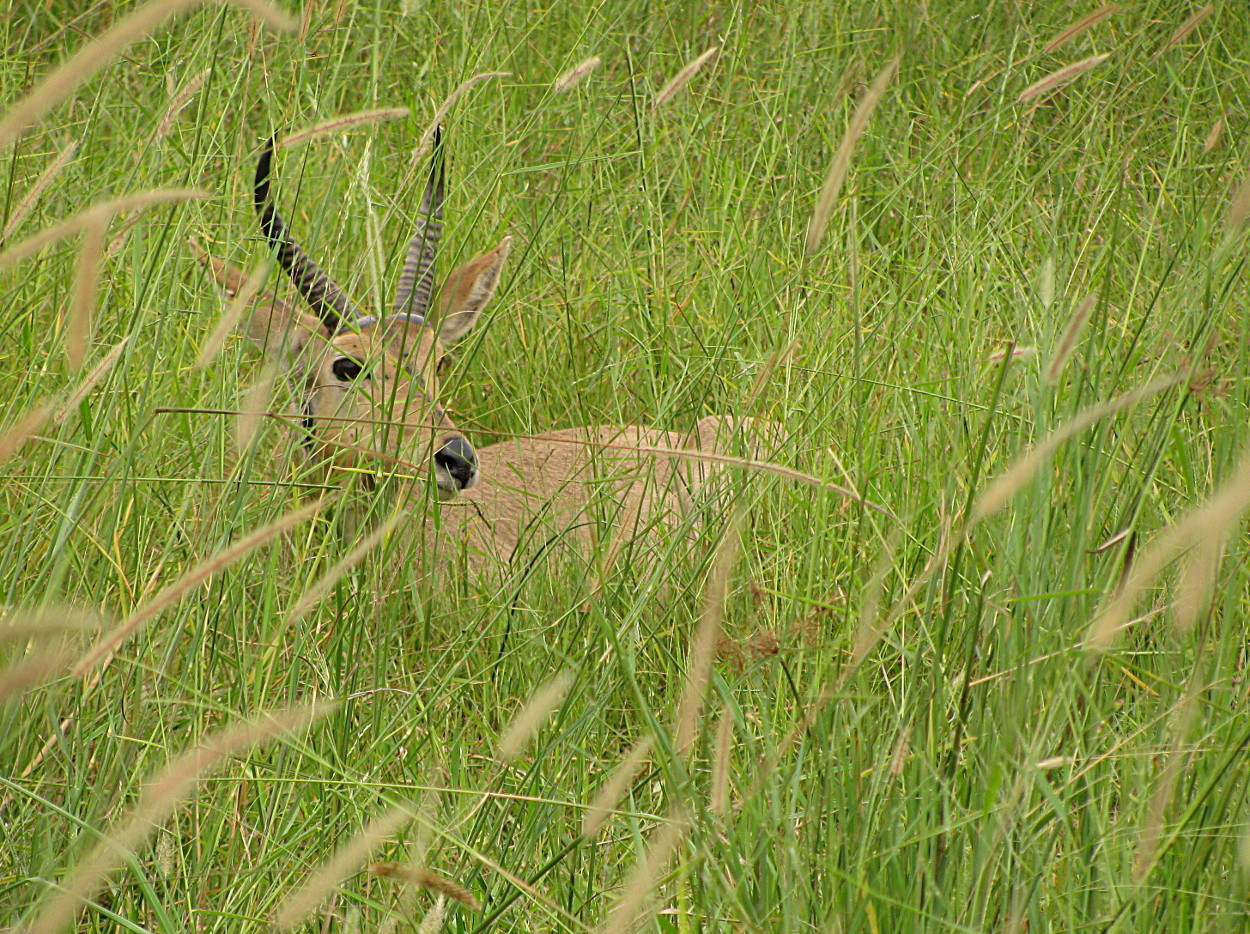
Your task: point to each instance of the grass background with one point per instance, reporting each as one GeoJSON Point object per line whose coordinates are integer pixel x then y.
{"type": "Point", "coordinates": [977, 770]}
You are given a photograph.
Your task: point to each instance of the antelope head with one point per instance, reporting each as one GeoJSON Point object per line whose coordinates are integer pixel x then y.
{"type": "Point", "coordinates": [368, 384]}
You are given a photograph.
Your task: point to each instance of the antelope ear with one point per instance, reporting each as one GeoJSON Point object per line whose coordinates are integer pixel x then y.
{"type": "Point", "coordinates": [277, 328]}
{"type": "Point", "coordinates": [467, 290]}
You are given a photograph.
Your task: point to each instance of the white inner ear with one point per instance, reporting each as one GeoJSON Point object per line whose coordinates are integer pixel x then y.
{"type": "Point", "coordinates": [455, 326]}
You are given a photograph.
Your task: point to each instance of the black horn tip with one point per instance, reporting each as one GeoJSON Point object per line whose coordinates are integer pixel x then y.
{"type": "Point", "coordinates": [263, 168]}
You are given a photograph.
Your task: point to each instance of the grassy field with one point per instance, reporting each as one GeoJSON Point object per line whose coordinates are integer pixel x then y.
{"type": "Point", "coordinates": [1013, 699]}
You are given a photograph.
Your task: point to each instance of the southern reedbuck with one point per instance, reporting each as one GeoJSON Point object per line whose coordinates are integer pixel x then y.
{"type": "Point", "coordinates": [367, 391]}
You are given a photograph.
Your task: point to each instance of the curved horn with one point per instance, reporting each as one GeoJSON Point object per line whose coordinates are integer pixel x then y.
{"type": "Point", "coordinates": [419, 266]}
{"type": "Point", "coordinates": [329, 302]}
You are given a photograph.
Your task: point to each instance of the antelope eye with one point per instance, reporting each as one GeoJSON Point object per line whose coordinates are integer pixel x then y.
{"type": "Point", "coordinates": [443, 364]}
{"type": "Point", "coordinates": [346, 369]}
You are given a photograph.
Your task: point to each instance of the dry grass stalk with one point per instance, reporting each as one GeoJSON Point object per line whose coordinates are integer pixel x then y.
{"type": "Point", "coordinates": [180, 101]}
{"type": "Point", "coordinates": [335, 124]}
{"type": "Point", "coordinates": [1002, 489]}
{"type": "Point", "coordinates": [189, 581]}
{"type": "Point", "coordinates": [29, 424]}
{"type": "Point", "coordinates": [90, 59]}
{"type": "Point", "coordinates": [81, 391]}
{"type": "Point", "coordinates": [1156, 809]}
{"type": "Point", "coordinates": [1214, 137]}
{"type": "Point", "coordinates": [82, 301]}
{"type": "Point", "coordinates": [230, 317]}
{"type": "Point", "coordinates": [642, 881]}
{"type": "Point", "coordinates": [346, 859]}
{"type": "Point", "coordinates": [575, 75]}
{"type": "Point", "coordinates": [1207, 526]}
{"type": "Point", "coordinates": [526, 723]}
{"type": "Point", "coordinates": [1196, 580]}
{"type": "Point", "coordinates": [252, 408]}
{"type": "Point", "coordinates": [315, 594]}
{"type": "Point", "coordinates": [1067, 342]}
{"type": "Point", "coordinates": [432, 923]}
{"type": "Point", "coordinates": [32, 671]}
{"type": "Point", "coordinates": [49, 621]}
{"type": "Point", "coordinates": [43, 181]}
{"type": "Point", "coordinates": [1057, 79]}
{"type": "Point", "coordinates": [680, 79]}
{"type": "Point", "coordinates": [100, 213]}
{"type": "Point", "coordinates": [423, 878]}
{"type": "Point", "coordinates": [718, 800]}
{"type": "Point", "coordinates": [1183, 30]}
{"type": "Point", "coordinates": [870, 629]}
{"type": "Point", "coordinates": [158, 801]}
{"type": "Point", "coordinates": [446, 105]}
{"type": "Point", "coordinates": [614, 788]}
{"type": "Point", "coordinates": [706, 635]}
{"type": "Point", "coordinates": [842, 159]}
{"type": "Point", "coordinates": [1238, 208]}
{"type": "Point", "coordinates": [1064, 36]}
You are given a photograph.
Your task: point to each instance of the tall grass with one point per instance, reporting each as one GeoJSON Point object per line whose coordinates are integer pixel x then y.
{"type": "Point", "coordinates": [986, 674]}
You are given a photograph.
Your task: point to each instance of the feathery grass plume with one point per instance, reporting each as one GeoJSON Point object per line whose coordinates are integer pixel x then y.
{"type": "Point", "coordinates": [43, 181]}
{"type": "Point", "coordinates": [526, 723]}
{"type": "Point", "coordinates": [100, 213]}
{"type": "Point", "coordinates": [641, 882]}
{"type": "Point", "coordinates": [29, 424]}
{"type": "Point", "coordinates": [842, 159]}
{"type": "Point", "coordinates": [707, 633]}
{"type": "Point", "coordinates": [680, 79]}
{"type": "Point", "coordinates": [1207, 525]}
{"type": "Point", "coordinates": [1060, 77]}
{"type": "Point", "coordinates": [32, 671]}
{"type": "Point", "coordinates": [432, 923]}
{"type": "Point", "coordinates": [84, 64]}
{"type": "Point", "coordinates": [172, 594]}
{"type": "Point", "coordinates": [614, 788]}
{"type": "Point", "coordinates": [1067, 342]}
{"type": "Point", "coordinates": [718, 800]}
{"type": "Point", "coordinates": [423, 143]}
{"type": "Point", "coordinates": [575, 75]}
{"type": "Point", "coordinates": [160, 798]}
{"type": "Point", "coordinates": [1004, 487]}
{"type": "Point", "coordinates": [1196, 580]}
{"type": "Point", "coordinates": [346, 859]}
{"type": "Point", "coordinates": [870, 629]}
{"type": "Point", "coordinates": [48, 621]}
{"type": "Point", "coordinates": [335, 124]}
{"type": "Point", "coordinates": [1165, 785]}
{"type": "Point", "coordinates": [1064, 36]}
{"type": "Point", "coordinates": [423, 878]}
{"type": "Point", "coordinates": [230, 317]}
{"type": "Point", "coordinates": [1238, 209]}
{"type": "Point", "coordinates": [1214, 137]}
{"type": "Point", "coordinates": [178, 102]}
{"type": "Point", "coordinates": [252, 408]}
{"type": "Point", "coordinates": [315, 594]}
{"type": "Point", "coordinates": [82, 301]}
{"type": "Point", "coordinates": [1185, 28]}
{"type": "Point", "coordinates": [81, 391]}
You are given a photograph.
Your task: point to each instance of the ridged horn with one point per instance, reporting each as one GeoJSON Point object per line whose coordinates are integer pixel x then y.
{"type": "Point", "coordinates": [326, 299]}
{"type": "Point", "coordinates": [416, 282]}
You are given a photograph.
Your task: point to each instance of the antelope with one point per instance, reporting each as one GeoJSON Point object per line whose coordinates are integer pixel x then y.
{"type": "Point", "coordinates": [368, 397]}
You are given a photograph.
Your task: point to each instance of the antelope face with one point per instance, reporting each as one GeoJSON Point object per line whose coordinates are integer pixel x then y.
{"type": "Point", "coordinates": [368, 387]}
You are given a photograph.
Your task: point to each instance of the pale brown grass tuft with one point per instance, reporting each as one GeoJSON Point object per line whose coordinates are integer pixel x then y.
{"type": "Point", "coordinates": [842, 159]}
{"type": "Point", "coordinates": [83, 389]}
{"type": "Point", "coordinates": [1185, 28]}
{"type": "Point", "coordinates": [82, 301]}
{"type": "Point", "coordinates": [1060, 77]}
{"type": "Point", "coordinates": [718, 800]}
{"type": "Point", "coordinates": [101, 213]}
{"type": "Point", "coordinates": [682, 77]}
{"type": "Point", "coordinates": [526, 723]}
{"type": "Point", "coordinates": [575, 75]}
{"type": "Point", "coordinates": [160, 798]}
{"type": "Point", "coordinates": [1238, 209]}
{"type": "Point", "coordinates": [35, 669]}
{"type": "Point", "coordinates": [433, 921]}
{"type": "Point", "coordinates": [29, 424]}
{"type": "Point", "coordinates": [1067, 342]}
{"type": "Point", "coordinates": [1064, 36]}
{"type": "Point", "coordinates": [324, 584]}
{"type": "Point", "coordinates": [168, 597]}
{"type": "Point", "coordinates": [253, 408]}
{"type": "Point", "coordinates": [230, 317]}
{"type": "Point", "coordinates": [1165, 785]}
{"type": "Point", "coordinates": [343, 122]}
{"type": "Point", "coordinates": [43, 181]}
{"type": "Point", "coordinates": [425, 879]}
{"type": "Point", "coordinates": [178, 102]}
{"type": "Point", "coordinates": [1214, 137]}
{"type": "Point", "coordinates": [346, 859]}
{"type": "Point", "coordinates": [46, 622]}
{"type": "Point", "coordinates": [602, 807]}
{"type": "Point", "coordinates": [642, 881]}
{"type": "Point", "coordinates": [89, 60]}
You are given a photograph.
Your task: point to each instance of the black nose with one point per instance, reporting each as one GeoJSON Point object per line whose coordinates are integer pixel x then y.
{"type": "Point", "coordinates": [459, 459]}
